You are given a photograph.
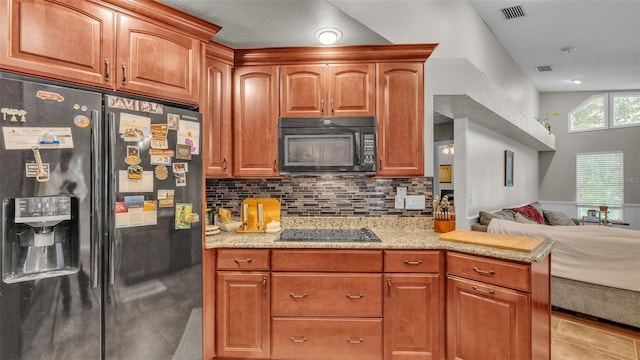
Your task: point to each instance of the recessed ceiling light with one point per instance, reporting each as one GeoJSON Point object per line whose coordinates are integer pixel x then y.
{"type": "Point", "coordinates": [576, 81]}
{"type": "Point", "coordinates": [328, 36]}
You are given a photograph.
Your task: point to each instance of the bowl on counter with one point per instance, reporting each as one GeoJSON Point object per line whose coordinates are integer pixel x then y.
{"type": "Point", "coordinates": [231, 226]}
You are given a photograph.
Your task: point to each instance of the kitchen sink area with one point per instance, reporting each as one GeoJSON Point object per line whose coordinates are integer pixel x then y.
{"type": "Point", "coordinates": [328, 235]}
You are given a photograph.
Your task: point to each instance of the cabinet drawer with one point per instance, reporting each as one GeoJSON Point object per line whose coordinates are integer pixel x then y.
{"type": "Point", "coordinates": [497, 272]}
{"type": "Point", "coordinates": [327, 260]}
{"type": "Point", "coordinates": [313, 294]}
{"type": "Point", "coordinates": [327, 339]}
{"type": "Point", "coordinates": [412, 261]}
{"type": "Point", "coordinates": [243, 259]}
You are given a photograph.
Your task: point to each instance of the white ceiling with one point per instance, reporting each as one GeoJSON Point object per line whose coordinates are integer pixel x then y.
{"type": "Point", "coordinates": [605, 33]}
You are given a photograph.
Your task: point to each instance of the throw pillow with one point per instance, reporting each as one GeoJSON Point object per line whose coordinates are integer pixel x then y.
{"type": "Point", "coordinates": [538, 207]}
{"type": "Point", "coordinates": [519, 218]}
{"type": "Point", "coordinates": [557, 218]}
{"type": "Point", "coordinates": [485, 217]}
{"type": "Point", "coordinates": [530, 212]}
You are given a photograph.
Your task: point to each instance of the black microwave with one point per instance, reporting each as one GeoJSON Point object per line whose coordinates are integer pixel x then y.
{"type": "Point", "coordinates": [330, 145]}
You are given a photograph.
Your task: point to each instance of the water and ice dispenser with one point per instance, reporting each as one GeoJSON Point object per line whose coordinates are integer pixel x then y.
{"type": "Point", "coordinates": [41, 237]}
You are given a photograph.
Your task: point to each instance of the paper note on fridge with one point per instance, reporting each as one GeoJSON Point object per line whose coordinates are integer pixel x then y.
{"type": "Point", "coordinates": [189, 134]}
{"type": "Point", "coordinates": [134, 127]}
{"type": "Point", "coordinates": [24, 138]}
{"type": "Point", "coordinates": [127, 185]}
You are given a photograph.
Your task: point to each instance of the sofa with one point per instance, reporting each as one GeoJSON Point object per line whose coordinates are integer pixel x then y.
{"type": "Point", "coordinates": [595, 269]}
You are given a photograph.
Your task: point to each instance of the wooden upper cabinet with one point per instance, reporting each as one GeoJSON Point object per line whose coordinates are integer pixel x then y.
{"type": "Point", "coordinates": [216, 112]}
{"type": "Point", "coordinates": [156, 61]}
{"type": "Point", "coordinates": [71, 41]}
{"type": "Point", "coordinates": [255, 121]}
{"type": "Point", "coordinates": [400, 114]}
{"type": "Point", "coordinates": [327, 90]}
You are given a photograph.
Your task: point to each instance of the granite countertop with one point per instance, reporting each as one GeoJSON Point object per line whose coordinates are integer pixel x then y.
{"type": "Point", "coordinates": [394, 232]}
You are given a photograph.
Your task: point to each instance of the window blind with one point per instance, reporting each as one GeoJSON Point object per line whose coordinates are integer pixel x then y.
{"type": "Point", "coordinates": [600, 181]}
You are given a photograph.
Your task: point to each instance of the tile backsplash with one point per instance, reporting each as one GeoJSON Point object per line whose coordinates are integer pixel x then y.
{"type": "Point", "coordinates": [322, 195]}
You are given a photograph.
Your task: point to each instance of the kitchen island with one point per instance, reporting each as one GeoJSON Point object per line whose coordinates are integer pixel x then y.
{"type": "Point", "coordinates": [391, 299]}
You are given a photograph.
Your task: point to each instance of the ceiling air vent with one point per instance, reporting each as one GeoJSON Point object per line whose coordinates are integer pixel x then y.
{"type": "Point", "coordinates": [542, 68]}
{"type": "Point", "coordinates": [512, 12]}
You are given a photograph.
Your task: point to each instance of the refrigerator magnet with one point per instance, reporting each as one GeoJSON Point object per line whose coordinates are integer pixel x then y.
{"type": "Point", "coordinates": [181, 179]}
{"type": "Point", "coordinates": [133, 156]}
{"type": "Point", "coordinates": [181, 212]}
{"type": "Point", "coordinates": [180, 167]}
{"type": "Point", "coordinates": [135, 172]}
{"type": "Point", "coordinates": [161, 172]}
{"type": "Point", "coordinates": [183, 152]}
{"type": "Point", "coordinates": [165, 197]}
{"type": "Point", "coordinates": [173, 121]}
{"type": "Point", "coordinates": [159, 136]}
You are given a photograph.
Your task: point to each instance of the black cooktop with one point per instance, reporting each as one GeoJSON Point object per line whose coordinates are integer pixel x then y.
{"type": "Point", "coordinates": [331, 235]}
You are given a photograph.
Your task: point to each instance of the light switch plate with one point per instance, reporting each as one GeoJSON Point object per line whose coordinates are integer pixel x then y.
{"type": "Point", "coordinates": [401, 191]}
{"type": "Point", "coordinates": [399, 202]}
{"type": "Point", "coordinates": [414, 202]}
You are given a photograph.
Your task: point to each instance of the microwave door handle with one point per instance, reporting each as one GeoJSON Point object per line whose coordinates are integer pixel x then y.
{"type": "Point", "coordinates": [358, 150]}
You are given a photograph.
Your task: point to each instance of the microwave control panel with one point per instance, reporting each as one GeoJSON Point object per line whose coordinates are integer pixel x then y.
{"type": "Point", "coordinates": [369, 149]}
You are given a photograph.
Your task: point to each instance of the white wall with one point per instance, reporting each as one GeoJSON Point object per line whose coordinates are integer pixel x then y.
{"type": "Point", "coordinates": [461, 35]}
{"type": "Point", "coordinates": [483, 167]}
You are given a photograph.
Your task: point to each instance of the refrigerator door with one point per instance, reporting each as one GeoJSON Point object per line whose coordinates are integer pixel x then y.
{"type": "Point", "coordinates": [50, 291]}
{"type": "Point", "coordinates": [154, 273]}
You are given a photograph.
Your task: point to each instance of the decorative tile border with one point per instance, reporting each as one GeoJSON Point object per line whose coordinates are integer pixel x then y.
{"type": "Point", "coordinates": [325, 196]}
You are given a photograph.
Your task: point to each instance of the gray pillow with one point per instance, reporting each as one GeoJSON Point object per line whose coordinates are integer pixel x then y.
{"type": "Point", "coordinates": [505, 214]}
{"type": "Point", "coordinates": [536, 205]}
{"type": "Point", "coordinates": [519, 218]}
{"type": "Point", "coordinates": [557, 218]}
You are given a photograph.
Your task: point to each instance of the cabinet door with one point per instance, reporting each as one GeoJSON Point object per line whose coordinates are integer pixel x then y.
{"type": "Point", "coordinates": [351, 90]}
{"type": "Point", "coordinates": [400, 109]}
{"type": "Point", "coordinates": [243, 318]}
{"type": "Point", "coordinates": [216, 112]}
{"type": "Point", "coordinates": [255, 121]}
{"type": "Point", "coordinates": [303, 91]}
{"type": "Point", "coordinates": [413, 317]}
{"type": "Point", "coordinates": [486, 322]}
{"type": "Point", "coordinates": [156, 61]}
{"type": "Point", "coordinates": [42, 38]}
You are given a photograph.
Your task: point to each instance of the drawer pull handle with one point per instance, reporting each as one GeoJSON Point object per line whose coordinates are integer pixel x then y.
{"type": "Point", "coordinates": [349, 296]}
{"type": "Point", "coordinates": [484, 272]}
{"type": "Point", "coordinates": [294, 296]}
{"type": "Point", "coordinates": [238, 261]}
{"type": "Point", "coordinates": [489, 291]}
{"type": "Point", "coordinates": [298, 340]}
{"type": "Point", "coordinates": [388, 287]}
{"type": "Point", "coordinates": [355, 341]}
{"type": "Point", "coordinates": [416, 262]}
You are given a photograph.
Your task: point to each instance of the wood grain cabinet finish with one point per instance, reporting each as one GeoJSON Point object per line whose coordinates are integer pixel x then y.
{"type": "Point", "coordinates": [492, 318]}
{"type": "Point", "coordinates": [243, 315]}
{"type": "Point", "coordinates": [157, 61]}
{"type": "Point", "coordinates": [255, 121]}
{"type": "Point", "coordinates": [71, 40]}
{"type": "Point", "coordinates": [85, 43]}
{"type": "Point", "coordinates": [414, 318]}
{"type": "Point", "coordinates": [216, 112]}
{"type": "Point", "coordinates": [319, 90]}
{"type": "Point", "coordinates": [400, 115]}
{"type": "Point", "coordinates": [327, 338]}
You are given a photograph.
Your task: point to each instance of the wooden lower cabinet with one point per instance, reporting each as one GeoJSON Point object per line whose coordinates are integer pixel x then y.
{"type": "Point", "coordinates": [488, 317]}
{"type": "Point", "coordinates": [243, 315]}
{"type": "Point", "coordinates": [413, 317]}
{"type": "Point", "coordinates": [327, 338]}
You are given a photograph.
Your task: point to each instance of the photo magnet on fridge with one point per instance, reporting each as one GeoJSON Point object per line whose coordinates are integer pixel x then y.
{"type": "Point", "coordinates": [182, 212]}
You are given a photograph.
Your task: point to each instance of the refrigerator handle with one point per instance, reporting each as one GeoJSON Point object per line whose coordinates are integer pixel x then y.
{"type": "Point", "coordinates": [111, 173]}
{"type": "Point", "coordinates": [97, 212]}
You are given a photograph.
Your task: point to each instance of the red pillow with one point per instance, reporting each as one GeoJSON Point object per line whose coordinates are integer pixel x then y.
{"type": "Point", "coordinates": [530, 212]}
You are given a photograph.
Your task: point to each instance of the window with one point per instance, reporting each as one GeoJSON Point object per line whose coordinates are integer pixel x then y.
{"type": "Point", "coordinates": [600, 181]}
{"type": "Point", "coordinates": [590, 115]}
{"type": "Point", "coordinates": [606, 111]}
{"type": "Point", "coordinates": [626, 109]}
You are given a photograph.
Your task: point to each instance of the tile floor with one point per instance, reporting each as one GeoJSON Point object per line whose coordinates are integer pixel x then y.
{"type": "Point", "coordinates": [574, 338]}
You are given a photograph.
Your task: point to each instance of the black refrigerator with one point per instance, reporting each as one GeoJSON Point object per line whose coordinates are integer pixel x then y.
{"type": "Point", "coordinates": [101, 209]}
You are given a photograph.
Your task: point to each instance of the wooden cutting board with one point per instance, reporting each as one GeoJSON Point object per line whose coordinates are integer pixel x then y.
{"type": "Point", "coordinates": [508, 242]}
